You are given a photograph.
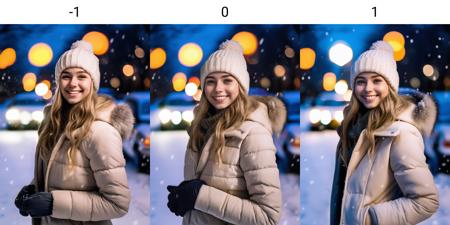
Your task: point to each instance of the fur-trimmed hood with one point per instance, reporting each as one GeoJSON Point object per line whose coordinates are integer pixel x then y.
{"type": "Point", "coordinates": [422, 112]}
{"type": "Point", "coordinates": [119, 116]}
{"type": "Point", "coordinates": [271, 113]}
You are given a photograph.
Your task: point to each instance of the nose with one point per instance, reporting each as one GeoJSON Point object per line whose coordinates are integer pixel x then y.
{"type": "Point", "coordinates": [369, 86]}
{"type": "Point", "coordinates": [73, 82]}
{"type": "Point", "coordinates": [219, 86]}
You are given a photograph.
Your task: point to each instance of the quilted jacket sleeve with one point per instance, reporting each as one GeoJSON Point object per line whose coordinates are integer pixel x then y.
{"type": "Point", "coordinates": [257, 161]}
{"type": "Point", "coordinates": [104, 151]}
{"type": "Point", "coordinates": [420, 196]}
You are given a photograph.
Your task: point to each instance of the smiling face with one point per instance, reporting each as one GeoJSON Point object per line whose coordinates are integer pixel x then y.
{"type": "Point", "coordinates": [370, 89]}
{"type": "Point", "coordinates": [75, 84]}
{"type": "Point", "coordinates": [221, 89]}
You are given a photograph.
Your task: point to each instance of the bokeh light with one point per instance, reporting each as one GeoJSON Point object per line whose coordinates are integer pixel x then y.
{"type": "Point", "coordinates": [428, 70]}
{"type": "Point", "coordinates": [7, 58]}
{"type": "Point", "coordinates": [329, 81]}
{"type": "Point", "coordinates": [414, 82]}
{"type": "Point", "coordinates": [191, 89]}
{"type": "Point", "coordinates": [265, 82]}
{"type": "Point", "coordinates": [128, 70]}
{"type": "Point", "coordinates": [195, 80]}
{"type": "Point", "coordinates": [48, 83]}
{"type": "Point", "coordinates": [197, 95]}
{"type": "Point", "coordinates": [29, 81]}
{"type": "Point", "coordinates": [40, 54]}
{"type": "Point", "coordinates": [348, 95]}
{"type": "Point", "coordinates": [289, 52]}
{"type": "Point", "coordinates": [139, 52]}
{"type": "Point", "coordinates": [279, 70]}
{"type": "Point", "coordinates": [395, 39]}
{"type": "Point", "coordinates": [248, 41]}
{"type": "Point", "coordinates": [114, 82]}
{"type": "Point", "coordinates": [340, 53]}
{"type": "Point", "coordinates": [447, 82]}
{"type": "Point", "coordinates": [399, 55]}
{"type": "Point", "coordinates": [190, 54]}
{"type": "Point", "coordinates": [341, 87]}
{"type": "Point", "coordinates": [147, 83]}
{"type": "Point", "coordinates": [48, 95]}
{"type": "Point", "coordinates": [157, 58]}
{"type": "Point", "coordinates": [307, 58]}
{"type": "Point", "coordinates": [41, 89]}
{"type": "Point", "coordinates": [179, 81]}
{"type": "Point", "coordinates": [99, 42]}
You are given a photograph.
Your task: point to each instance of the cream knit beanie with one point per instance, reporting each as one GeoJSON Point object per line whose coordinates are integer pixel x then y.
{"type": "Point", "coordinates": [230, 59]}
{"type": "Point", "coordinates": [79, 55]}
{"type": "Point", "coordinates": [379, 59]}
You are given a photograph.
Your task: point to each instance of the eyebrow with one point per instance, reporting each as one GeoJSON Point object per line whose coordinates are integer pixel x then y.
{"type": "Point", "coordinates": [223, 76]}
{"type": "Point", "coordinates": [371, 77]}
{"type": "Point", "coordinates": [77, 72]}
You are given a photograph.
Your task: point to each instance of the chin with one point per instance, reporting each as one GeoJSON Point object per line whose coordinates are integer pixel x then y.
{"type": "Point", "coordinates": [221, 106]}
{"type": "Point", "coordinates": [73, 101]}
{"type": "Point", "coordinates": [371, 106]}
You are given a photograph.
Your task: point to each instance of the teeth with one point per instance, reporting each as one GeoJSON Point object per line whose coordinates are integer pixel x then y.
{"type": "Point", "coordinates": [370, 97]}
{"type": "Point", "coordinates": [220, 97]}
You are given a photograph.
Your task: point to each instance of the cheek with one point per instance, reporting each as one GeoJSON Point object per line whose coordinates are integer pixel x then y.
{"type": "Point", "coordinates": [63, 83]}
{"type": "Point", "coordinates": [234, 92]}
{"type": "Point", "coordinates": [359, 89]}
{"type": "Point", "coordinates": [207, 91]}
{"type": "Point", "coordinates": [383, 90]}
{"type": "Point", "coordinates": [86, 84]}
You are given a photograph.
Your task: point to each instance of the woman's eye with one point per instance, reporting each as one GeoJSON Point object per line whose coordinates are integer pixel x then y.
{"type": "Point", "coordinates": [227, 81]}
{"type": "Point", "coordinates": [209, 82]}
{"type": "Point", "coordinates": [377, 81]}
{"type": "Point", "coordinates": [360, 82]}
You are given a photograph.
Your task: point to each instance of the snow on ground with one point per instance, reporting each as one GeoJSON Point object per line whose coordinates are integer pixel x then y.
{"type": "Point", "coordinates": [317, 167]}
{"type": "Point", "coordinates": [167, 162]}
{"type": "Point", "coordinates": [16, 170]}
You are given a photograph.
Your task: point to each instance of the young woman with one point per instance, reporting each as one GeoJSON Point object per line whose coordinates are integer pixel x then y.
{"type": "Point", "coordinates": [230, 172]}
{"type": "Point", "coordinates": [381, 176]}
{"type": "Point", "coordinates": [79, 173]}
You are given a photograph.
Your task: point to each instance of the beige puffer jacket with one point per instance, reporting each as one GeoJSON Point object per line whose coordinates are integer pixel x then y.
{"type": "Point", "coordinates": [245, 188]}
{"type": "Point", "coordinates": [396, 184]}
{"type": "Point", "coordinates": [96, 189]}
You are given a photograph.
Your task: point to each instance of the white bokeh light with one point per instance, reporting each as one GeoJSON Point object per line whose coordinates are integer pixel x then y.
{"type": "Point", "coordinates": [340, 53]}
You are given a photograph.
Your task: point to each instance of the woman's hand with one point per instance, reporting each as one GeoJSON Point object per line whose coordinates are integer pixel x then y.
{"type": "Point", "coordinates": [182, 197]}
{"type": "Point", "coordinates": [24, 193]}
{"type": "Point", "coordinates": [39, 204]}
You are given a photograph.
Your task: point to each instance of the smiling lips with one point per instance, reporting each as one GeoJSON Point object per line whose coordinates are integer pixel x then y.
{"type": "Point", "coordinates": [220, 98]}
{"type": "Point", "coordinates": [73, 92]}
{"type": "Point", "coordinates": [369, 97]}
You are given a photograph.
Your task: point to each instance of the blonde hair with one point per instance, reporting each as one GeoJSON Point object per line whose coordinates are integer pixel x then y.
{"type": "Point", "coordinates": [385, 113]}
{"type": "Point", "coordinates": [74, 121]}
{"type": "Point", "coordinates": [233, 116]}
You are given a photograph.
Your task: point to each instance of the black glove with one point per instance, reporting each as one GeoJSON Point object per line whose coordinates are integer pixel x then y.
{"type": "Point", "coordinates": [24, 193]}
{"type": "Point", "coordinates": [39, 204]}
{"type": "Point", "coordinates": [183, 197]}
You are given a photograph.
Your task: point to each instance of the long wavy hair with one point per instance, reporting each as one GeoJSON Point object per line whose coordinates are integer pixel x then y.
{"type": "Point", "coordinates": [233, 116]}
{"type": "Point", "coordinates": [74, 121]}
{"type": "Point", "coordinates": [385, 113]}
